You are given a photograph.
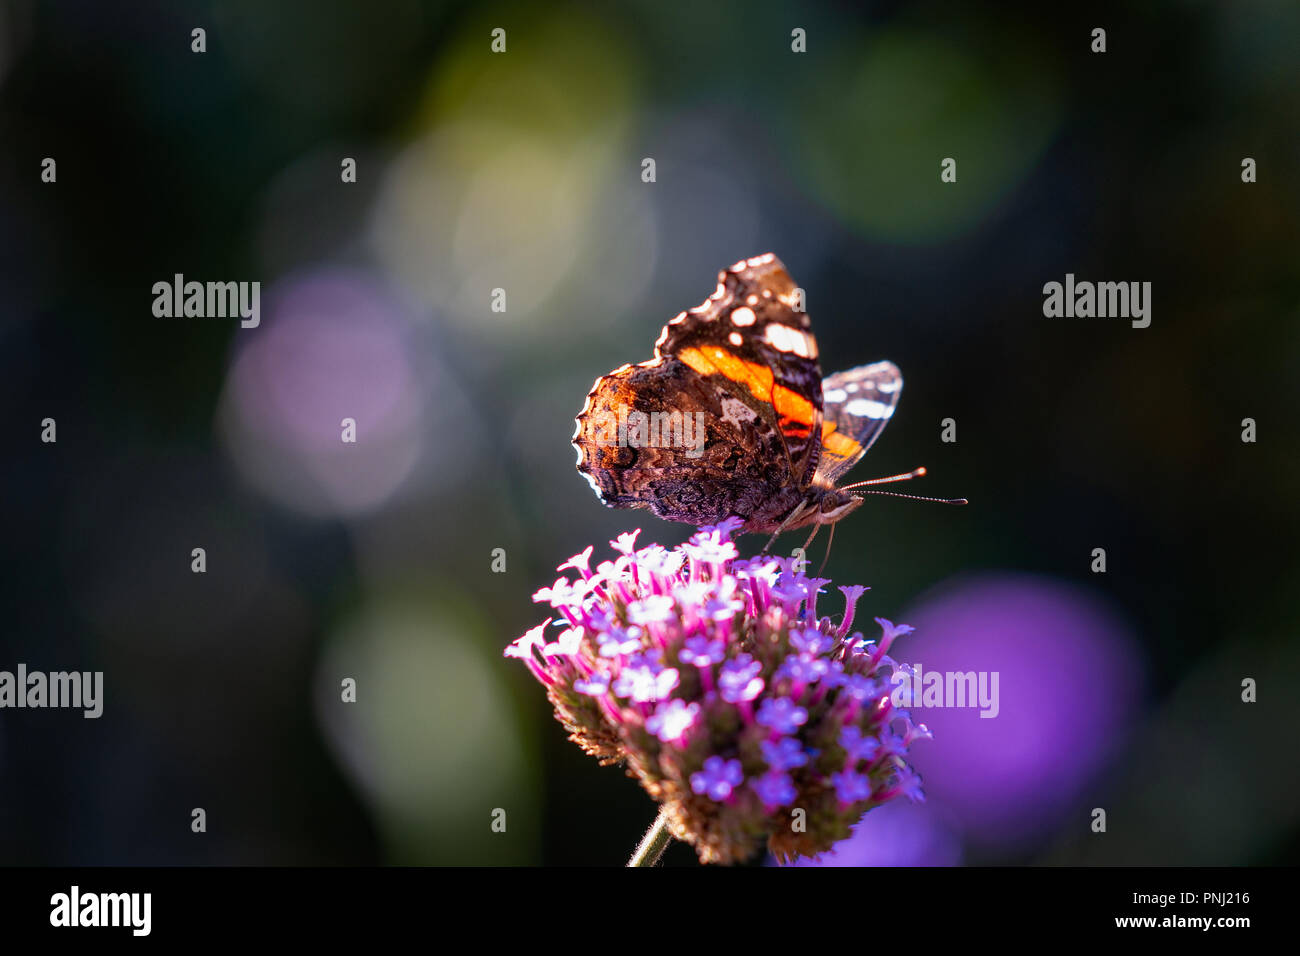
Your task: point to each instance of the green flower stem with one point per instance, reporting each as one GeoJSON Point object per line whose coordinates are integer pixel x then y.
{"type": "Point", "coordinates": [653, 844]}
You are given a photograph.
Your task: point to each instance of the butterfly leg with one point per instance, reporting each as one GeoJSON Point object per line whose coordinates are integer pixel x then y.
{"type": "Point", "coordinates": [808, 544]}
{"type": "Point", "coordinates": [788, 518]}
{"type": "Point", "coordinates": [829, 542]}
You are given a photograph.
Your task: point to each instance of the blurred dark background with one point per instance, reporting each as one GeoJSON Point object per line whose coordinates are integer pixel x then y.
{"type": "Point", "coordinates": [522, 171]}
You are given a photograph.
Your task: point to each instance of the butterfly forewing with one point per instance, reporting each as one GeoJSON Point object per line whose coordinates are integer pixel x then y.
{"type": "Point", "coordinates": [752, 338]}
{"type": "Point", "coordinates": [856, 406]}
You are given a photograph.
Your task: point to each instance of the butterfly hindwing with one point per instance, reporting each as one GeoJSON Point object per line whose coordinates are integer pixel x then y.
{"type": "Point", "coordinates": [658, 436]}
{"type": "Point", "coordinates": [856, 406]}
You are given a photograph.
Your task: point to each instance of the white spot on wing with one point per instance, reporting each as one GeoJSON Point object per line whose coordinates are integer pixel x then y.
{"type": "Point", "coordinates": [736, 339]}
{"type": "Point", "coordinates": [743, 316]}
{"type": "Point", "coordinates": [866, 408]}
{"type": "Point", "coordinates": [835, 395]}
{"type": "Point", "coordinates": [785, 339]}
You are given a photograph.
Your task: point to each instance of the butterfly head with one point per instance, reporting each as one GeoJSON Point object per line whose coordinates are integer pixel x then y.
{"type": "Point", "coordinates": [825, 504]}
{"type": "Point", "coordinates": [834, 504]}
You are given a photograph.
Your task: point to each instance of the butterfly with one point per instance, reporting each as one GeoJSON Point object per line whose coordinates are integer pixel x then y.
{"type": "Point", "coordinates": [732, 418]}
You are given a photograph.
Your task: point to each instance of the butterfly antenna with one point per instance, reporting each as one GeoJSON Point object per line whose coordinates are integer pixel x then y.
{"type": "Point", "coordinates": [895, 494]}
{"type": "Point", "coordinates": [914, 473]}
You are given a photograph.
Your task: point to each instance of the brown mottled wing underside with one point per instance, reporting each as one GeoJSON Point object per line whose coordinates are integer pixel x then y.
{"type": "Point", "coordinates": [728, 473]}
{"type": "Point", "coordinates": [731, 405]}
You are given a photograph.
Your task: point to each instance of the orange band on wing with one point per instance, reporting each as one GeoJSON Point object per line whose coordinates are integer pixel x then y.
{"type": "Point", "coordinates": [841, 445]}
{"type": "Point", "coordinates": [697, 360]}
{"type": "Point", "coordinates": [757, 378]}
{"type": "Point", "coordinates": [795, 411]}
{"type": "Point", "coordinates": [793, 406]}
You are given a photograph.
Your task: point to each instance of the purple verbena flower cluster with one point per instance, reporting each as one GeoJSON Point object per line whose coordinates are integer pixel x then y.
{"type": "Point", "coordinates": [736, 707]}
